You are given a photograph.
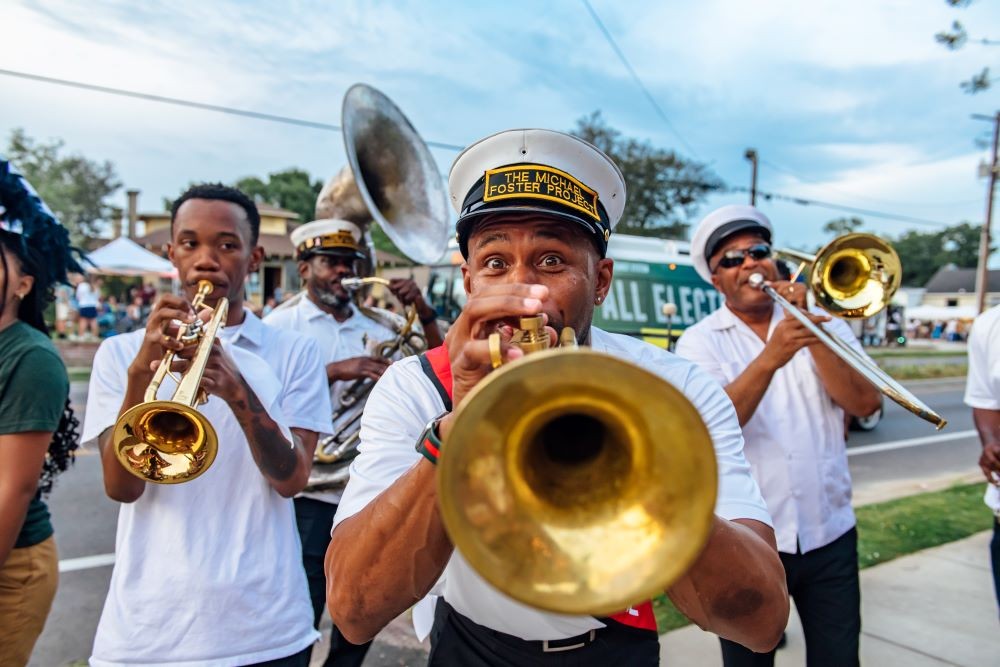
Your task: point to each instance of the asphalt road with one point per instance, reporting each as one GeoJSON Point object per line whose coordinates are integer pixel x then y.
{"type": "Point", "coordinates": [85, 519]}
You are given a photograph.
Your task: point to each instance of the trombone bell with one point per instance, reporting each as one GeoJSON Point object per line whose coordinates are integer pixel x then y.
{"type": "Point", "coordinates": [855, 276]}
{"type": "Point", "coordinates": [570, 490]}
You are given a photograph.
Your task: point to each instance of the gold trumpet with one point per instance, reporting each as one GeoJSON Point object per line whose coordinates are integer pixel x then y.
{"type": "Point", "coordinates": [853, 276]}
{"type": "Point", "coordinates": [576, 482]}
{"type": "Point", "coordinates": [169, 441]}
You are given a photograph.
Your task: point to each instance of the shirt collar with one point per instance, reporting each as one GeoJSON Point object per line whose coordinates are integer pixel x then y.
{"type": "Point", "coordinates": [251, 328]}
{"type": "Point", "coordinates": [726, 319]}
{"type": "Point", "coordinates": [312, 311]}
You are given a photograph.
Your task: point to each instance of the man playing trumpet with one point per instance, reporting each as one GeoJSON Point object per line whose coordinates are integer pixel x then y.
{"type": "Point", "coordinates": [790, 393]}
{"type": "Point", "coordinates": [529, 252]}
{"type": "Point", "coordinates": [207, 572]}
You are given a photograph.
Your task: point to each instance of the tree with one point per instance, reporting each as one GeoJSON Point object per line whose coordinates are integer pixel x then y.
{"type": "Point", "coordinates": [75, 188]}
{"type": "Point", "coordinates": [956, 38]}
{"type": "Point", "coordinates": [923, 253]}
{"type": "Point", "coordinates": [842, 226]}
{"type": "Point", "coordinates": [664, 189]}
{"type": "Point", "coordinates": [290, 189]}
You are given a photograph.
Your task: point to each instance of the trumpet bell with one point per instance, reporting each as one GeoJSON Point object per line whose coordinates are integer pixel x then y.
{"type": "Point", "coordinates": [567, 488]}
{"type": "Point", "coordinates": [855, 275]}
{"type": "Point", "coordinates": [165, 442]}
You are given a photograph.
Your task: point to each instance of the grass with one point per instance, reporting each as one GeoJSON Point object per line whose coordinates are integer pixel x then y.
{"type": "Point", "coordinates": [912, 354]}
{"type": "Point", "coordinates": [78, 373]}
{"type": "Point", "coordinates": [892, 529]}
{"type": "Point", "coordinates": [926, 371]}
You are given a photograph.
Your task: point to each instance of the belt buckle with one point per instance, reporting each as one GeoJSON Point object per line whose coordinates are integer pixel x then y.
{"type": "Point", "coordinates": [556, 649]}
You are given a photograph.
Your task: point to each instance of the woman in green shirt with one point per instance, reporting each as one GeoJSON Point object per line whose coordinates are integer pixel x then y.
{"type": "Point", "coordinates": [37, 427]}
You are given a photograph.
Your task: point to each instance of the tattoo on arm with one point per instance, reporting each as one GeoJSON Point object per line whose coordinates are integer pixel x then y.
{"type": "Point", "coordinates": [275, 456]}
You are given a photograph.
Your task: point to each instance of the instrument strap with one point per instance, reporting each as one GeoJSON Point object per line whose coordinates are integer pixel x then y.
{"type": "Point", "coordinates": [436, 365]}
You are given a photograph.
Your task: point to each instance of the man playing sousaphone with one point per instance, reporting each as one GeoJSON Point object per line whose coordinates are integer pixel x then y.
{"type": "Point", "coordinates": [328, 252]}
{"type": "Point", "coordinates": [536, 209]}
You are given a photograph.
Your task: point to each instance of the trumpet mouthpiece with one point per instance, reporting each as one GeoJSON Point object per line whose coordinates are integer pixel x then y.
{"type": "Point", "coordinates": [756, 280]}
{"type": "Point", "coordinates": [352, 283]}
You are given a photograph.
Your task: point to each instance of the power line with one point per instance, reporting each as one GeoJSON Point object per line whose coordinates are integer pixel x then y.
{"type": "Point", "coordinates": [246, 113]}
{"type": "Point", "coordinates": [635, 77]}
{"type": "Point", "coordinates": [802, 201]}
{"type": "Point", "coordinates": [852, 194]}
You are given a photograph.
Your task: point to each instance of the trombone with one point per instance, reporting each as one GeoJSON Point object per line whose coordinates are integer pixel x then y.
{"type": "Point", "coordinates": [853, 276]}
{"type": "Point", "coordinates": [169, 441]}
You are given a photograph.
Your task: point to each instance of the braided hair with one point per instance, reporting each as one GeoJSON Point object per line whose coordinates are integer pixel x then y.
{"type": "Point", "coordinates": [30, 233]}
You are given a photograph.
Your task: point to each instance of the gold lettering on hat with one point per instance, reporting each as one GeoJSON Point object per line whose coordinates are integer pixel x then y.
{"type": "Point", "coordinates": [535, 181]}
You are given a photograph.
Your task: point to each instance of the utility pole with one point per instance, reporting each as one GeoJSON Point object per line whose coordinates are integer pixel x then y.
{"type": "Point", "coordinates": [751, 155]}
{"type": "Point", "coordinates": [982, 272]}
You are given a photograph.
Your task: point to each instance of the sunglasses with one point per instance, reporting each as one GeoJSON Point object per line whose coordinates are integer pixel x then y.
{"type": "Point", "coordinates": [733, 258]}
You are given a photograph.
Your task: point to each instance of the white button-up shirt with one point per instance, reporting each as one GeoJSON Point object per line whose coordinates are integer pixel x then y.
{"type": "Point", "coordinates": [405, 399]}
{"type": "Point", "coordinates": [354, 337]}
{"type": "Point", "coordinates": [795, 439]}
{"type": "Point", "coordinates": [223, 546]}
{"type": "Point", "coordinates": [982, 388]}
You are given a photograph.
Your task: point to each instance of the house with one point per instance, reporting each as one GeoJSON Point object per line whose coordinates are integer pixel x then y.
{"type": "Point", "coordinates": [952, 287]}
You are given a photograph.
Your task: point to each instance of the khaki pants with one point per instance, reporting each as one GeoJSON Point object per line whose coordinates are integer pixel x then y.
{"type": "Point", "coordinates": [27, 585]}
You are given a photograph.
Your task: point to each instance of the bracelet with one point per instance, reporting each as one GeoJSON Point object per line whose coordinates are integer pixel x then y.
{"type": "Point", "coordinates": [427, 320]}
{"type": "Point", "coordinates": [429, 443]}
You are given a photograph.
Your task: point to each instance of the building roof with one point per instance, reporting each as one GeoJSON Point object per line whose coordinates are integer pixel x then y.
{"type": "Point", "coordinates": [951, 280]}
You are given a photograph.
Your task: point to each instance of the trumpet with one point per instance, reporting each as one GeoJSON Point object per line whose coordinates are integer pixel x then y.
{"type": "Point", "coordinates": [853, 276]}
{"type": "Point", "coordinates": [169, 441]}
{"type": "Point", "coordinates": [583, 484]}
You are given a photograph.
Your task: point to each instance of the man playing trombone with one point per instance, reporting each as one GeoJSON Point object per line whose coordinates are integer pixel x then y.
{"type": "Point", "coordinates": [208, 572]}
{"type": "Point", "coordinates": [329, 251]}
{"type": "Point", "coordinates": [790, 393]}
{"type": "Point", "coordinates": [536, 209]}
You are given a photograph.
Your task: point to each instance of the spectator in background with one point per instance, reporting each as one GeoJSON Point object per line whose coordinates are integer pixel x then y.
{"type": "Point", "coordinates": [133, 312]}
{"type": "Point", "coordinates": [982, 394]}
{"type": "Point", "coordinates": [86, 301]}
{"type": "Point", "coordinates": [269, 305]}
{"type": "Point", "coordinates": [37, 426]}
{"type": "Point", "coordinates": [63, 308]}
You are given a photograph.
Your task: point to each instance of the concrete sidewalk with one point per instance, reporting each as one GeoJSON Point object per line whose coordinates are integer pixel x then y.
{"type": "Point", "coordinates": [935, 607]}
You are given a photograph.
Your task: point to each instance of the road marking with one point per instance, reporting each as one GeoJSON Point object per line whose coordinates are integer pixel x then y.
{"type": "Point", "coordinates": [86, 562]}
{"type": "Point", "coordinates": [910, 442]}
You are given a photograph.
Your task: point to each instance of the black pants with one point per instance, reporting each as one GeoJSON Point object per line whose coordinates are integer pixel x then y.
{"type": "Point", "coordinates": [824, 586]}
{"type": "Point", "coordinates": [315, 519]}
{"type": "Point", "coordinates": [995, 556]}
{"type": "Point", "coordinates": [300, 659]}
{"type": "Point", "coordinates": [456, 641]}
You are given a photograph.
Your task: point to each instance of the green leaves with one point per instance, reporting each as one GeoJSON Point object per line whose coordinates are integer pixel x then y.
{"type": "Point", "coordinates": [664, 189]}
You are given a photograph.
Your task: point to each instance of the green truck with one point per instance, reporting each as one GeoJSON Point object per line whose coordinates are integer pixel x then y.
{"type": "Point", "coordinates": [650, 273]}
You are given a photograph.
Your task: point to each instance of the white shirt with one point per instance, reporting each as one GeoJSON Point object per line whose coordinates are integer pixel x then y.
{"type": "Point", "coordinates": [982, 388]}
{"type": "Point", "coordinates": [404, 400]}
{"type": "Point", "coordinates": [209, 572]}
{"type": "Point", "coordinates": [86, 296]}
{"type": "Point", "coordinates": [354, 337]}
{"type": "Point", "coordinates": [795, 439]}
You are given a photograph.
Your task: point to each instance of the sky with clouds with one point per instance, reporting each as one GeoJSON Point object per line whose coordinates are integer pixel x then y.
{"type": "Point", "coordinates": [847, 101]}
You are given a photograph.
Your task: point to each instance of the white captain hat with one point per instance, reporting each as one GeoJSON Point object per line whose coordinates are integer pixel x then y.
{"type": "Point", "coordinates": [719, 224]}
{"type": "Point", "coordinates": [537, 171]}
{"type": "Point", "coordinates": [330, 236]}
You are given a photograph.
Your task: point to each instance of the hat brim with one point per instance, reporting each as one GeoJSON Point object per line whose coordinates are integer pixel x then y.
{"type": "Point", "coordinates": [468, 222]}
{"type": "Point", "coordinates": [730, 228]}
{"type": "Point", "coordinates": [338, 251]}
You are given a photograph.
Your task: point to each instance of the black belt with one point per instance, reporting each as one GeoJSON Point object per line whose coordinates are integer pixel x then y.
{"type": "Point", "coordinates": [613, 631]}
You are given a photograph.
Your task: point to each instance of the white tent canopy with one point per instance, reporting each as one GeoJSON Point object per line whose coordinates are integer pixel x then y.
{"type": "Point", "coordinates": [928, 313]}
{"type": "Point", "coordinates": [124, 257]}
